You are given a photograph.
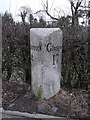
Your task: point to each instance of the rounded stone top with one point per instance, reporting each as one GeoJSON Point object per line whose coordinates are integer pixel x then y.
{"type": "Point", "coordinates": [45, 31]}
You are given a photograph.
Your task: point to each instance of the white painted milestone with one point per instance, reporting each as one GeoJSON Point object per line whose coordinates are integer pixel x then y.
{"type": "Point", "coordinates": [46, 52]}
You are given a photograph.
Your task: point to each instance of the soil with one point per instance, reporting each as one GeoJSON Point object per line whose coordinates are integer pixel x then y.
{"type": "Point", "coordinates": [69, 103]}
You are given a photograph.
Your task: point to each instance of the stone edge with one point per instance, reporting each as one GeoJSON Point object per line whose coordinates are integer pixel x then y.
{"type": "Point", "coordinates": [28, 115]}
{"type": "Point", "coordinates": [0, 63]}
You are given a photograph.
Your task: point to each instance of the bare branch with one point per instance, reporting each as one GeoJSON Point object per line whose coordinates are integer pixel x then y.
{"type": "Point", "coordinates": [47, 14]}
{"type": "Point", "coordinates": [51, 6]}
{"type": "Point", "coordinates": [77, 6]}
{"type": "Point", "coordinates": [51, 16]}
{"type": "Point", "coordinates": [40, 11]}
{"type": "Point", "coordinates": [72, 4]}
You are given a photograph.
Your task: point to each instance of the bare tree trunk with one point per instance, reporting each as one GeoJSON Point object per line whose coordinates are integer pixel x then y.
{"type": "Point", "coordinates": [9, 73]}
{"type": "Point", "coordinates": [74, 10]}
{"type": "Point", "coordinates": [9, 61]}
{"type": "Point", "coordinates": [26, 56]}
{"type": "Point", "coordinates": [89, 47]}
{"type": "Point", "coordinates": [27, 61]}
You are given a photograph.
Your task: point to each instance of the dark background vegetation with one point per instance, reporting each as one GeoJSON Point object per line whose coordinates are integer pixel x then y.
{"type": "Point", "coordinates": [74, 97]}
{"type": "Point", "coordinates": [75, 52]}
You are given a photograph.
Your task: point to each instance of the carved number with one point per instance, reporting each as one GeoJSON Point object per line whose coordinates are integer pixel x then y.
{"type": "Point", "coordinates": [55, 58]}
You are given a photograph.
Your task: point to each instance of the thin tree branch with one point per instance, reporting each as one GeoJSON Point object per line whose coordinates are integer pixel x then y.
{"type": "Point", "coordinates": [47, 14]}
{"type": "Point", "coordinates": [51, 16]}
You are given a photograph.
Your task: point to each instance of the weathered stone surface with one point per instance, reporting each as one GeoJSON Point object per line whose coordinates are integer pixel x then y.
{"type": "Point", "coordinates": [46, 50]}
